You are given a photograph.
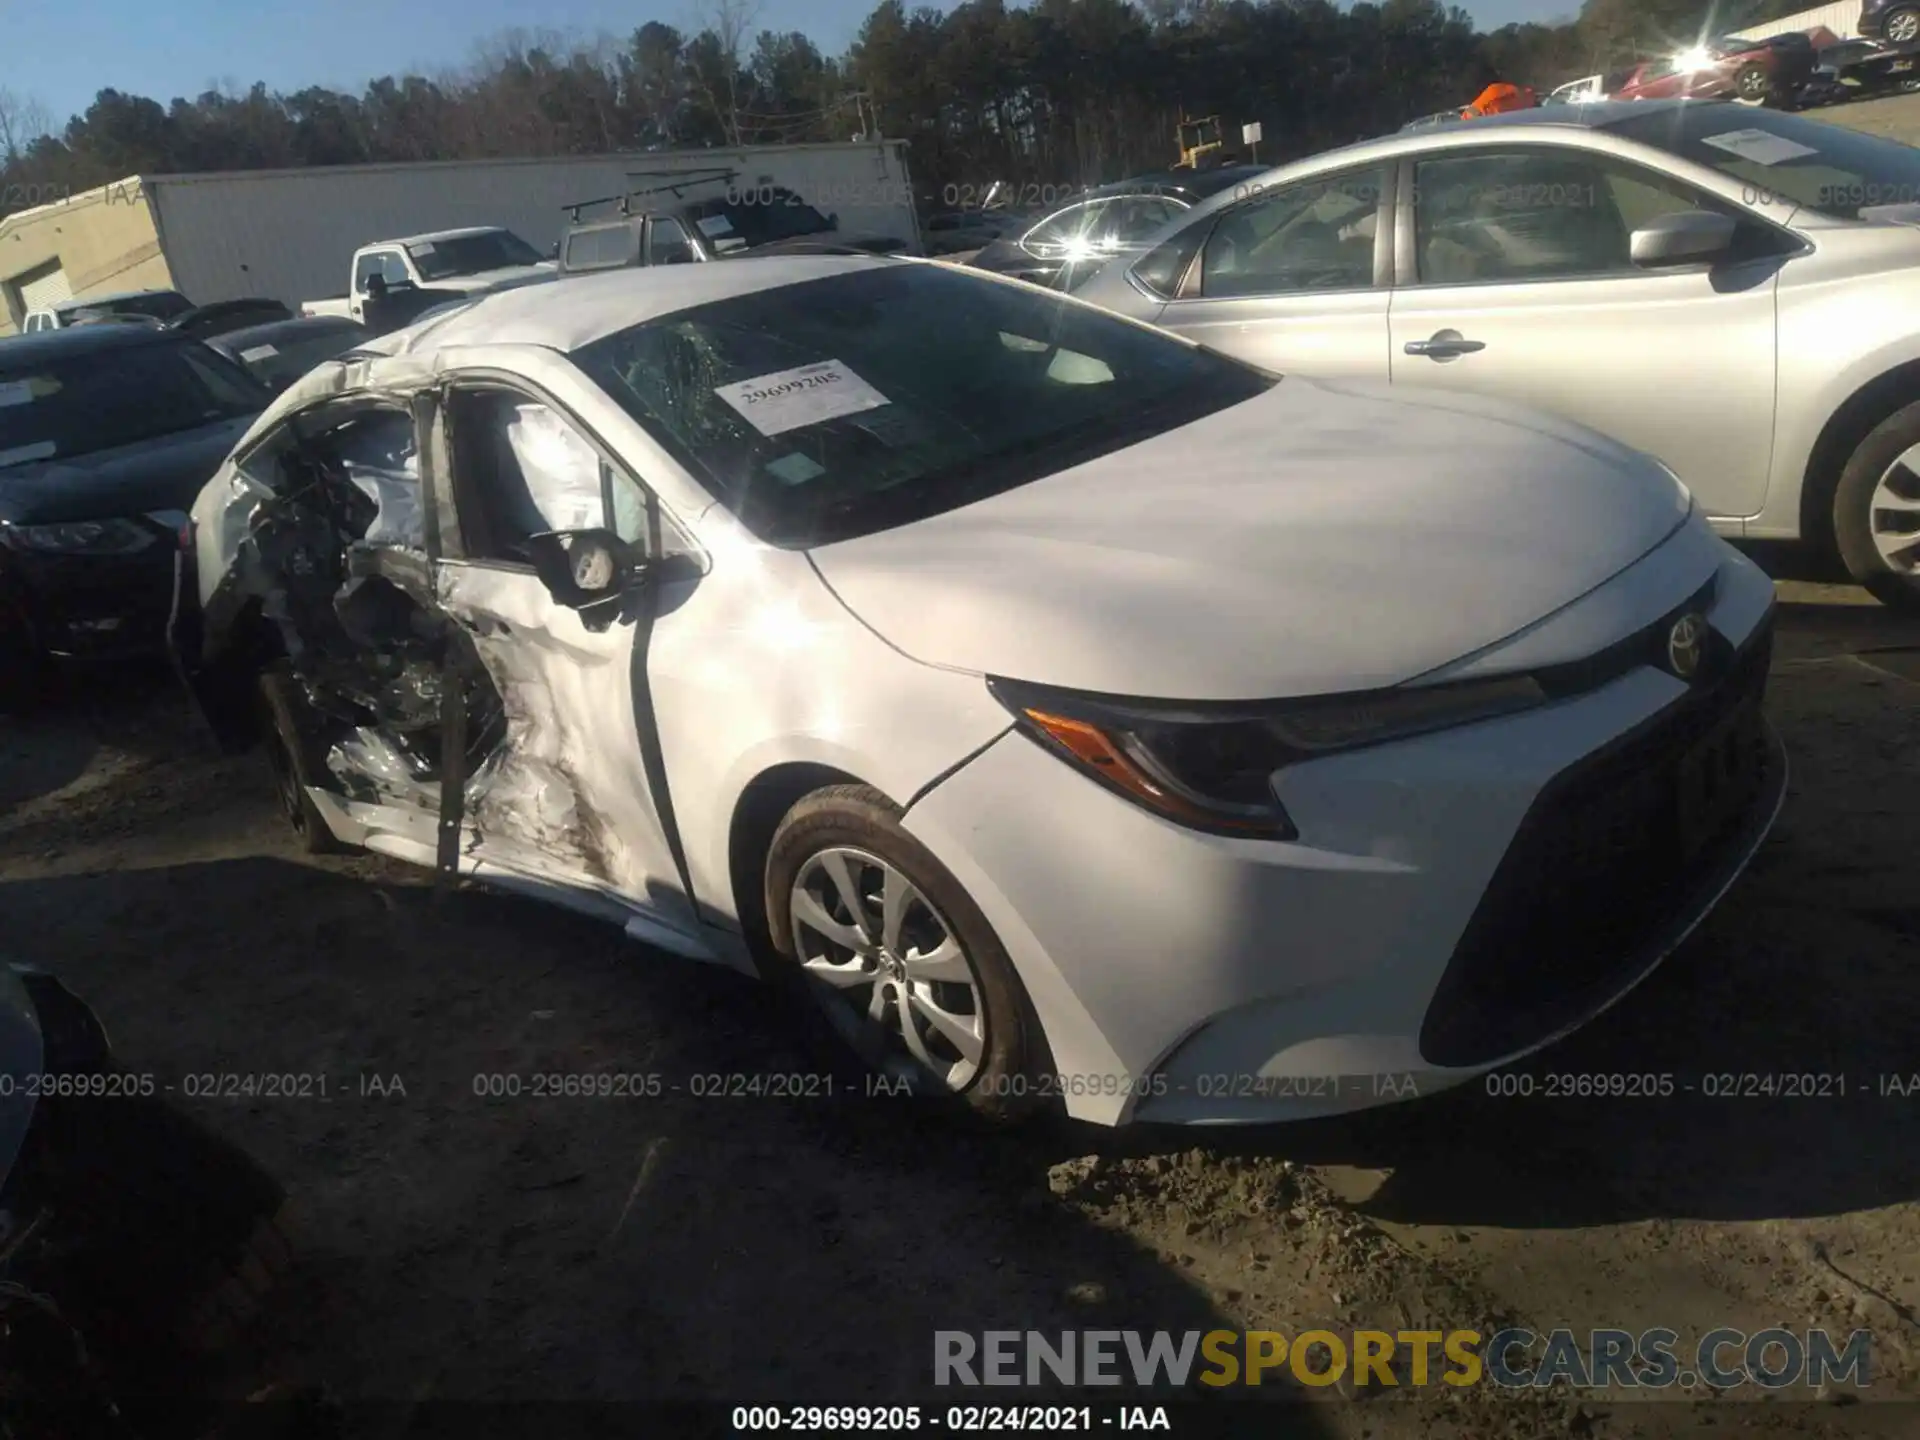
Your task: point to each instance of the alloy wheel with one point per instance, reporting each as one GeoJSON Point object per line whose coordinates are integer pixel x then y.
{"type": "Point", "coordinates": [1893, 514]}
{"type": "Point", "coordinates": [1753, 85]}
{"type": "Point", "coordinates": [1903, 25]}
{"type": "Point", "coordinates": [888, 968]}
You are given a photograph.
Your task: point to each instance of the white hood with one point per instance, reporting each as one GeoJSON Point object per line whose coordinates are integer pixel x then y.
{"type": "Point", "coordinates": [509, 277]}
{"type": "Point", "coordinates": [1320, 538]}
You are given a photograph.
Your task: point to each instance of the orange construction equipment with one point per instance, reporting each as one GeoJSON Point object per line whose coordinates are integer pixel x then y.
{"type": "Point", "coordinates": [1499, 98]}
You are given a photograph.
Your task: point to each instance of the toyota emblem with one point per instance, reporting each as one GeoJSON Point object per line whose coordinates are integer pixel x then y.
{"type": "Point", "coordinates": [1686, 643]}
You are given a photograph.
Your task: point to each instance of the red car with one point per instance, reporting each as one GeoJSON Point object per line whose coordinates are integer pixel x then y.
{"type": "Point", "coordinates": [1761, 72]}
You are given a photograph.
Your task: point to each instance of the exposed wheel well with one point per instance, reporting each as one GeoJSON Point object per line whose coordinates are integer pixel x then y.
{"type": "Point", "coordinates": [1840, 437]}
{"type": "Point", "coordinates": [763, 804]}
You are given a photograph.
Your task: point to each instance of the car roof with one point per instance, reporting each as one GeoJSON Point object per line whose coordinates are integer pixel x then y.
{"type": "Point", "coordinates": [298, 328]}
{"type": "Point", "coordinates": [1595, 115]}
{"type": "Point", "coordinates": [84, 340]}
{"type": "Point", "coordinates": [82, 302]}
{"type": "Point", "coordinates": [569, 313]}
{"type": "Point", "coordinates": [1192, 182]}
{"type": "Point", "coordinates": [434, 236]}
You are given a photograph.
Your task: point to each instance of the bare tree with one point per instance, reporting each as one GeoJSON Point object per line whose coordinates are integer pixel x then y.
{"type": "Point", "coordinates": [729, 22]}
{"type": "Point", "coordinates": [22, 121]}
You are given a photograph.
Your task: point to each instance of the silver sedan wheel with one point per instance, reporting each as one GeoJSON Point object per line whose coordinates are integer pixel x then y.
{"type": "Point", "coordinates": [1893, 515]}
{"type": "Point", "coordinates": [1904, 26]}
{"type": "Point", "coordinates": [888, 968]}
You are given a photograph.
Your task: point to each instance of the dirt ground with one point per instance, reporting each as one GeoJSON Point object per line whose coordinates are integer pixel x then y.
{"type": "Point", "coordinates": [1897, 117]}
{"type": "Point", "coordinates": [753, 1250]}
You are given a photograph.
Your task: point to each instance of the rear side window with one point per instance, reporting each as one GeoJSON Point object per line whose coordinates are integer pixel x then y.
{"type": "Point", "coordinates": [604, 247]}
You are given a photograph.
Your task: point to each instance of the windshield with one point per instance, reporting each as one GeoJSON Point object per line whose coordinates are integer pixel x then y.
{"type": "Point", "coordinates": [471, 254]}
{"type": "Point", "coordinates": [281, 360]}
{"type": "Point", "coordinates": [825, 410]}
{"type": "Point", "coordinates": [749, 217]}
{"type": "Point", "coordinates": [1785, 161]}
{"type": "Point", "coordinates": [97, 399]}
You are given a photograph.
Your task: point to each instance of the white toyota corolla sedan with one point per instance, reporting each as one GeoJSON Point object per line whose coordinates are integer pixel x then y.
{"type": "Point", "coordinates": [1080, 716]}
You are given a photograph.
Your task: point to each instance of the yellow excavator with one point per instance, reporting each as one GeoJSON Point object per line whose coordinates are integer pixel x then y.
{"type": "Point", "coordinates": [1196, 139]}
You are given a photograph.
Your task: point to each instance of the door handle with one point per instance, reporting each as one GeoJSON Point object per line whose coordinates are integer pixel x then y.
{"type": "Point", "coordinates": [1445, 345]}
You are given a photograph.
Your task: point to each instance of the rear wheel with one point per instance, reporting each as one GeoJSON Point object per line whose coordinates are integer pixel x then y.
{"type": "Point", "coordinates": [1876, 511]}
{"type": "Point", "coordinates": [897, 956]}
{"type": "Point", "coordinates": [1903, 25]}
{"type": "Point", "coordinates": [287, 758]}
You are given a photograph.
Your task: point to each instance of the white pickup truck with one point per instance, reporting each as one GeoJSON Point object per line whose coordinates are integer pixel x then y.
{"type": "Point", "coordinates": [481, 257]}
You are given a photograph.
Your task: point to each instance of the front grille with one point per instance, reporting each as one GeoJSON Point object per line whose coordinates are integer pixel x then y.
{"type": "Point", "coordinates": [1613, 853]}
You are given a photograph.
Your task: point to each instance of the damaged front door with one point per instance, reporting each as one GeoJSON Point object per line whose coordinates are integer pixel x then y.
{"type": "Point", "coordinates": [567, 803]}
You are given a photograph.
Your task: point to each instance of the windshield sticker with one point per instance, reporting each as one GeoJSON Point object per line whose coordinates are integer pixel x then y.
{"type": "Point", "coordinates": [806, 395]}
{"type": "Point", "coordinates": [714, 226]}
{"type": "Point", "coordinates": [730, 244]}
{"type": "Point", "coordinates": [25, 392]}
{"type": "Point", "coordinates": [422, 250]}
{"type": "Point", "coordinates": [20, 454]}
{"type": "Point", "coordinates": [259, 352]}
{"type": "Point", "coordinates": [1758, 146]}
{"type": "Point", "coordinates": [795, 469]}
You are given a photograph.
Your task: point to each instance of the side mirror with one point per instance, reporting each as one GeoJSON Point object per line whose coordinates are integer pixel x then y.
{"type": "Point", "coordinates": [1687, 237]}
{"type": "Point", "coordinates": [833, 221]}
{"type": "Point", "coordinates": [582, 568]}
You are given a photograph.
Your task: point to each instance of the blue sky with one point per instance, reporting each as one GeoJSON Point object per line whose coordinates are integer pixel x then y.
{"type": "Point", "coordinates": [62, 53]}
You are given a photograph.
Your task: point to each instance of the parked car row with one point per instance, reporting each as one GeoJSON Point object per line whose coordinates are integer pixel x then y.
{"type": "Point", "coordinates": [165, 308]}
{"type": "Point", "coordinates": [1784, 71]}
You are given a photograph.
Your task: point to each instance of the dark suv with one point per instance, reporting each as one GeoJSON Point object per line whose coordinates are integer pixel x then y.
{"type": "Point", "coordinates": [1894, 20]}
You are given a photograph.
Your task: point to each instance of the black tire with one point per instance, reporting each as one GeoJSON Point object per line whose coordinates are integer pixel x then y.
{"type": "Point", "coordinates": [287, 757]}
{"type": "Point", "coordinates": [1008, 1085]}
{"type": "Point", "coordinates": [170, 1236]}
{"type": "Point", "coordinates": [26, 677]}
{"type": "Point", "coordinates": [1752, 83]}
{"type": "Point", "coordinates": [1894, 19]}
{"type": "Point", "coordinates": [1852, 517]}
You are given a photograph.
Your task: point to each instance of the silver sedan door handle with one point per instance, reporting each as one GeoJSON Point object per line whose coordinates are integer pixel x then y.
{"type": "Point", "coordinates": [1445, 345]}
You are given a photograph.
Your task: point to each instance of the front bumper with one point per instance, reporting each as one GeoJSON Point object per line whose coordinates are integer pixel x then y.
{"type": "Point", "coordinates": [91, 608]}
{"type": "Point", "coordinates": [1455, 900]}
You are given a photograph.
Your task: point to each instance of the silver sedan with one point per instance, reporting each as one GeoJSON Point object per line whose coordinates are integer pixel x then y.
{"type": "Point", "coordinates": [1732, 290]}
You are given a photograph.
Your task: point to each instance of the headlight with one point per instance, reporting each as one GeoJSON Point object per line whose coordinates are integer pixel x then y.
{"type": "Point", "coordinates": [81, 537]}
{"type": "Point", "coordinates": [1211, 766]}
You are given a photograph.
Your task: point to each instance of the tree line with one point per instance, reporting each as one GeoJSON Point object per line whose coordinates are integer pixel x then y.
{"type": "Point", "coordinates": [1058, 93]}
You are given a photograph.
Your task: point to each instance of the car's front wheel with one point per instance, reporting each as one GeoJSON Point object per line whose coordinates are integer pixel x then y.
{"type": "Point", "coordinates": [287, 758]}
{"type": "Point", "coordinates": [1876, 511]}
{"type": "Point", "coordinates": [898, 957]}
{"type": "Point", "coordinates": [1903, 25]}
{"type": "Point", "coordinates": [1753, 85]}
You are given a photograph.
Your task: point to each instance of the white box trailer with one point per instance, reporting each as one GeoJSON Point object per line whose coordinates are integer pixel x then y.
{"type": "Point", "coordinates": [290, 234]}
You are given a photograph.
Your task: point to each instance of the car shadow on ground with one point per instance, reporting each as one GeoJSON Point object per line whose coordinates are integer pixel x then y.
{"type": "Point", "coordinates": [468, 1231]}
{"type": "Point", "coordinates": [137, 709]}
